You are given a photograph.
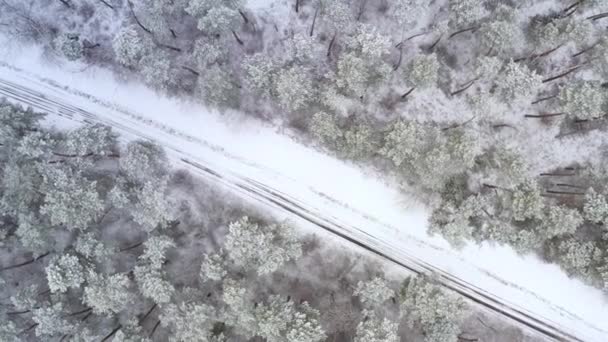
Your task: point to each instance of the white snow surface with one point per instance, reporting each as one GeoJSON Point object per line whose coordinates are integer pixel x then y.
{"type": "Point", "coordinates": [251, 149]}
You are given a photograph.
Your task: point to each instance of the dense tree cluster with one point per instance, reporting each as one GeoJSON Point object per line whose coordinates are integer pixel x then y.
{"type": "Point", "coordinates": [82, 187]}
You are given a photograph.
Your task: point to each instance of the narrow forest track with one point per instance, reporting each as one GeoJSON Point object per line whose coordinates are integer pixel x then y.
{"type": "Point", "coordinates": [56, 99]}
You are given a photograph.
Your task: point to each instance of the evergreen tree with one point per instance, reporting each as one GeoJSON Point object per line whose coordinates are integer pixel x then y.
{"type": "Point", "coordinates": [129, 47]}
{"type": "Point", "coordinates": [584, 100]}
{"type": "Point", "coordinates": [465, 13]}
{"type": "Point", "coordinates": [50, 321]}
{"type": "Point", "coordinates": [71, 199]}
{"type": "Point", "coordinates": [527, 202]}
{"type": "Point", "coordinates": [437, 313]}
{"type": "Point", "coordinates": [107, 294]}
{"type": "Point", "coordinates": [374, 329]}
{"type": "Point", "coordinates": [373, 293]}
{"type": "Point", "coordinates": [64, 272]}
{"type": "Point", "coordinates": [595, 207]}
{"type": "Point", "coordinates": [189, 321]}
{"type": "Point", "coordinates": [517, 82]}
{"type": "Point", "coordinates": [261, 248]}
{"type": "Point", "coordinates": [70, 46]}
{"type": "Point", "coordinates": [293, 88]}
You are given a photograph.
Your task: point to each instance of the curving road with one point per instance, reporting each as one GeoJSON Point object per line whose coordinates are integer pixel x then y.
{"type": "Point", "coordinates": [71, 105]}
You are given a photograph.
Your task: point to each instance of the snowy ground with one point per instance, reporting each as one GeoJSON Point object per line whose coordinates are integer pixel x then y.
{"type": "Point", "coordinates": [267, 166]}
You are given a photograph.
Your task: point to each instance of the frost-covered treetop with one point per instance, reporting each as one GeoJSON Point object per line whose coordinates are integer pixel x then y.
{"type": "Point", "coordinates": [465, 13]}
{"type": "Point", "coordinates": [375, 329]}
{"type": "Point", "coordinates": [423, 70]}
{"type": "Point", "coordinates": [261, 248]}
{"type": "Point", "coordinates": [128, 46]}
{"type": "Point", "coordinates": [64, 272]}
{"type": "Point", "coordinates": [143, 160]}
{"type": "Point", "coordinates": [70, 46]}
{"type": "Point", "coordinates": [584, 100]}
{"type": "Point", "coordinates": [517, 82]}
{"type": "Point", "coordinates": [374, 292]}
{"type": "Point", "coordinates": [155, 249]}
{"type": "Point", "coordinates": [370, 42]}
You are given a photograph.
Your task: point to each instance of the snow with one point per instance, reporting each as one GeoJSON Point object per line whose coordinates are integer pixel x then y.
{"type": "Point", "coordinates": [244, 148]}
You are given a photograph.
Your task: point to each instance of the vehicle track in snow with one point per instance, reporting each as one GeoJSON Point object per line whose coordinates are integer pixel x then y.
{"type": "Point", "coordinates": [132, 126]}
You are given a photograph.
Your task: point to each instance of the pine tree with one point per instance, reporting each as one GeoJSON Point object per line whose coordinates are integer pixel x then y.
{"type": "Point", "coordinates": [465, 13]}
{"type": "Point", "coordinates": [219, 88]}
{"type": "Point", "coordinates": [576, 257]}
{"type": "Point", "coordinates": [406, 13]}
{"type": "Point", "coordinates": [129, 47]}
{"type": "Point", "coordinates": [260, 69]}
{"type": "Point", "coordinates": [359, 142]}
{"type": "Point", "coordinates": [152, 208]}
{"type": "Point", "coordinates": [280, 321]}
{"type": "Point", "coordinates": [324, 127]}
{"type": "Point", "coordinates": [595, 207]}
{"type": "Point", "coordinates": [208, 52]}
{"type": "Point", "coordinates": [107, 294]}
{"type": "Point", "coordinates": [303, 49]}
{"type": "Point", "coordinates": [70, 46]}
{"type": "Point", "coordinates": [149, 274]}
{"type": "Point", "coordinates": [527, 202]}
{"type": "Point", "coordinates": [8, 331]}
{"type": "Point", "coordinates": [560, 221]}
{"type": "Point", "coordinates": [143, 161]}
{"type": "Point", "coordinates": [157, 70]}
{"type": "Point", "coordinates": [88, 246]}
{"type": "Point", "coordinates": [215, 16]}
{"type": "Point", "coordinates": [238, 312]}
{"type": "Point", "coordinates": [64, 272]}
{"type": "Point", "coordinates": [500, 36]}
{"type": "Point", "coordinates": [437, 313]}
{"type": "Point", "coordinates": [71, 200]}
{"type": "Point", "coordinates": [369, 43]}
{"type": "Point", "coordinates": [293, 88]}
{"type": "Point", "coordinates": [213, 267]}
{"type": "Point", "coordinates": [583, 100]}
{"type": "Point", "coordinates": [261, 248]}
{"type": "Point", "coordinates": [373, 293]}
{"type": "Point", "coordinates": [517, 82]}
{"type": "Point", "coordinates": [188, 321]}
{"type": "Point", "coordinates": [374, 329]}
{"type": "Point", "coordinates": [422, 71]}
{"type": "Point", "coordinates": [51, 322]}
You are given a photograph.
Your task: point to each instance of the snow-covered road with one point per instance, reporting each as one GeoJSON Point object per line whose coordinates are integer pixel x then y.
{"type": "Point", "coordinates": [317, 191]}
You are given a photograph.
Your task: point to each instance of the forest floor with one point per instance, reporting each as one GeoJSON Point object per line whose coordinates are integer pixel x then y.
{"type": "Point", "coordinates": [314, 190]}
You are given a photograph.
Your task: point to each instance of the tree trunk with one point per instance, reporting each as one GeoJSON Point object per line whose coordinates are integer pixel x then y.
{"type": "Point", "coordinates": [66, 3]}
{"type": "Point", "coordinates": [154, 329]}
{"type": "Point", "coordinates": [361, 9]}
{"type": "Point", "coordinates": [435, 43]}
{"type": "Point", "coordinates": [107, 4]}
{"type": "Point", "coordinates": [297, 6]}
{"type": "Point", "coordinates": [314, 20]}
{"type": "Point", "coordinates": [176, 49]}
{"type": "Point", "coordinates": [245, 19]}
{"type": "Point", "coordinates": [472, 28]}
{"type": "Point", "coordinates": [467, 86]}
{"type": "Point", "coordinates": [404, 96]}
{"type": "Point", "coordinates": [544, 99]}
{"type": "Point", "coordinates": [237, 38]}
{"type": "Point", "coordinates": [566, 73]}
{"type": "Point", "coordinates": [173, 34]}
{"type": "Point", "coordinates": [400, 59]}
{"type": "Point", "coordinates": [194, 72]}
{"type": "Point", "coordinates": [544, 115]}
{"type": "Point", "coordinates": [331, 44]}
{"type": "Point", "coordinates": [598, 16]}
{"type": "Point", "coordinates": [137, 19]}
{"type": "Point", "coordinates": [143, 319]}
{"type": "Point", "coordinates": [112, 333]}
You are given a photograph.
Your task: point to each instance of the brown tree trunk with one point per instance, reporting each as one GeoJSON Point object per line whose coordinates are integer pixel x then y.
{"type": "Point", "coordinates": [331, 44]}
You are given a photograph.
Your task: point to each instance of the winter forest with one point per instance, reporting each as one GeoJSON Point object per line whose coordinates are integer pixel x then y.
{"type": "Point", "coordinates": [490, 112]}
